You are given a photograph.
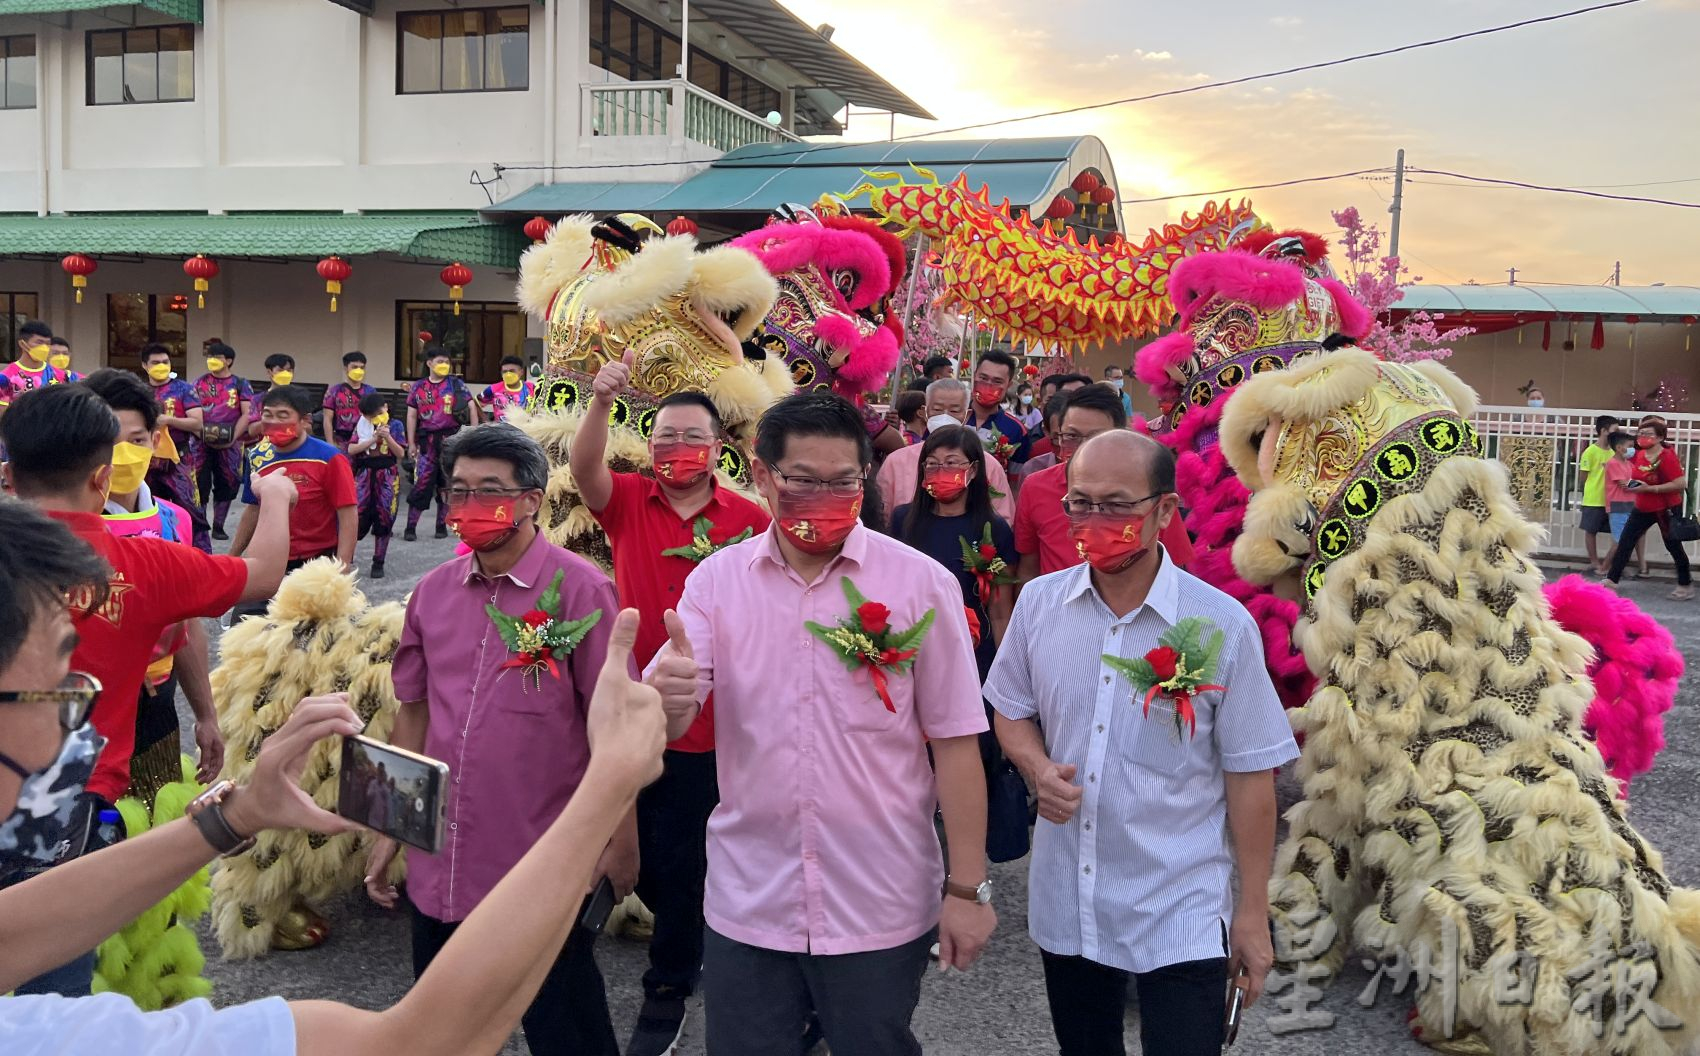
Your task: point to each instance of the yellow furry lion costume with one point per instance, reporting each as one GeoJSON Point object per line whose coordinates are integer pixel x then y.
{"type": "Point", "coordinates": [318, 636]}
{"type": "Point", "coordinates": [1452, 800]}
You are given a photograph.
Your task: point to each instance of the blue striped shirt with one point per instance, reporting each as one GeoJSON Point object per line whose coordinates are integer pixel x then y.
{"type": "Point", "coordinates": [1141, 876]}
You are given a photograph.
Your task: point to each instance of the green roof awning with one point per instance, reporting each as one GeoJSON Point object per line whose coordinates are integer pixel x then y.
{"type": "Point", "coordinates": [762, 177]}
{"type": "Point", "coordinates": [1552, 298]}
{"type": "Point", "coordinates": [432, 236]}
{"type": "Point", "coordinates": [187, 10]}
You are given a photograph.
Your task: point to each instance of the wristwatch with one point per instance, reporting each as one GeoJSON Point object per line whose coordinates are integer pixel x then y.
{"type": "Point", "coordinates": [981, 894]}
{"type": "Point", "coordinates": [207, 809]}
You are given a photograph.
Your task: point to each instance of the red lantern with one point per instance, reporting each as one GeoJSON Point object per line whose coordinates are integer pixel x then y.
{"type": "Point", "coordinates": [1060, 209]}
{"type": "Point", "coordinates": [79, 267]}
{"type": "Point", "coordinates": [1030, 370]}
{"type": "Point", "coordinates": [1085, 183]}
{"type": "Point", "coordinates": [1102, 197]}
{"type": "Point", "coordinates": [203, 269]}
{"type": "Point", "coordinates": [335, 271]}
{"type": "Point", "coordinates": [682, 225]}
{"type": "Point", "coordinates": [456, 276]}
{"type": "Point", "coordinates": [537, 228]}
{"type": "Point", "coordinates": [424, 337]}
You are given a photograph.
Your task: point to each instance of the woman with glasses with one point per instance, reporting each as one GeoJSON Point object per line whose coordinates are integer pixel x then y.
{"type": "Point", "coordinates": [952, 505]}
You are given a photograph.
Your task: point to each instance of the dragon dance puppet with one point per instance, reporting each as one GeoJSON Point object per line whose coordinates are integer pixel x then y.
{"type": "Point", "coordinates": [318, 636]}
{"type": "Point", "coordinates": [1455, 808]}
{"type": "Point", "coordinates": [1267, 304]}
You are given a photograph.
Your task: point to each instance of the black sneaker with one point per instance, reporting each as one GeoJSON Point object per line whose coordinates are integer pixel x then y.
{"type": "Point", "coordinates": [377, 570]}
{"type": "Point", "coordinates": [410, 535]}
{"type": "Point", "coordinates": [442, 531]}
{"type": "Point", "coordinates": [218, 533]}
{"type": "Point", "coordinates": [659, 1026]}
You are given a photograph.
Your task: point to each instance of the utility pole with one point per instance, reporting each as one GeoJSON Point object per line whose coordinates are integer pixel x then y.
{"type": "Point", "coordinates": [1513, 281]}
{"type": "Point", "coordinates": [1617, 274]}
{"type": "Point", "coordinates": [1398, 202]}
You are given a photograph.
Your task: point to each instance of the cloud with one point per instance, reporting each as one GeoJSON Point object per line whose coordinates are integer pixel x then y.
{"type": "Point", "coordinates": [1152, 56]}
{"type": "Point", "coordinates": [1286, 21]}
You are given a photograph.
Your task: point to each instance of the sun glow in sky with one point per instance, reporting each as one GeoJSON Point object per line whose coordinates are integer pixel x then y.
{"type": "Point", "coordinates": [1609, 98]}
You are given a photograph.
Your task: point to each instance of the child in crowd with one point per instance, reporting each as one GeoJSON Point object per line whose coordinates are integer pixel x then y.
{"type": "Point", "coordinates": [343, 400]}
{"type": "Point", "coordinates": [497, 401]}
{"type": "Point", "coordinates": [1594, 458]}
{"type": "Point", "coordinates": [376, 450]}
{"type": "Point", "coordinates": [1620, 500]}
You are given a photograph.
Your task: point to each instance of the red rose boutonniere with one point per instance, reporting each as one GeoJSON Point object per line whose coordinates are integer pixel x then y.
{"type": "Point", "coordinates": [540, 637]}
{"type": "Point", "coordinates": [866, 640]}
{"type": "Point", "coordinates": [990, 571]}
{"type": "Point", "coordinates": [1178, 669]}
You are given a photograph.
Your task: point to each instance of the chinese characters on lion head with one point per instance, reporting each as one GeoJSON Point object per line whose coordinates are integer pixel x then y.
{"type": "Point", "coordinates": [1453, 800]}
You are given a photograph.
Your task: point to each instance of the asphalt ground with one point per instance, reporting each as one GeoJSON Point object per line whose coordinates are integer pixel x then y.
{"type": "Point", "coordinates": [999, 1006]}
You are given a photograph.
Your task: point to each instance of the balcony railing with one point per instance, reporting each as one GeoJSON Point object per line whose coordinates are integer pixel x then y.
{"type": "Point", "coordinates": [1541, 447]}
{"type": "Point", "coordinates": [676, 110]}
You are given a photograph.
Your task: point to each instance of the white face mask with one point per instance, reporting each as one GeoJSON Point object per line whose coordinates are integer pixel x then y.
{"type": "Point", "coordinates": [1116, 383]}
{"type": "Point", "coordinates": [941, 421]}
{"type": "Point", "coordinates": [1026, 399]}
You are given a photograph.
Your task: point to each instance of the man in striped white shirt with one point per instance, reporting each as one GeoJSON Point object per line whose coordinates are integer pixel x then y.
{"type": "Point", "coordinates": [1140, 828]}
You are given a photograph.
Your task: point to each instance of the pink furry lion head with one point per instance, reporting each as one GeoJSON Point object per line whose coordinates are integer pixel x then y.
{"type": "Point", "coordinates": [831, 324]}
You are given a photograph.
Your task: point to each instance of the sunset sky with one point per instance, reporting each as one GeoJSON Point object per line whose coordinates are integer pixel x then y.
{"type": "Point", "coordinates": [1606, 98]}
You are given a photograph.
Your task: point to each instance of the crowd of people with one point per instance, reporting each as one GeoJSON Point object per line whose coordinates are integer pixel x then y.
{"type": "Point", "coordinates": [840, 671]}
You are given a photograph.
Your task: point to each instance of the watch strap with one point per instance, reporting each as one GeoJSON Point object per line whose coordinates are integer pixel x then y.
{"type": "Point", "coordinates": [963, 891]}
{"type": "Point", "coordinates": [210, 819]}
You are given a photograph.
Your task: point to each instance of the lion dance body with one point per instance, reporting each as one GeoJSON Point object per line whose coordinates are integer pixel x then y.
{"type": "Point", "coordinates": [1453, 800]}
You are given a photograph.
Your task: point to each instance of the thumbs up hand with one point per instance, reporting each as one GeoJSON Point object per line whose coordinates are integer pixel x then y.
{"type": "Point", "coordinates": [675, 678]}
{"type": "Point", "coordinates": [614, 378]}
{"type": "Point", "coordinates": [625, 725]}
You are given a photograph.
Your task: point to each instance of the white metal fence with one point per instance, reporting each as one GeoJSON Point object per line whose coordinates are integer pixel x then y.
{"type": "Point", "coordinates": [1541, 448]}
{"type": "Point", "coordinates": [674, 109]}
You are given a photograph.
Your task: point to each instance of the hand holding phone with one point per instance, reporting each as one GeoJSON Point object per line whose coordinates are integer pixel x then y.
{"type": "Point", "coordinates": [598, 907]}
{"type": "Point", "coordinates": [1633, 484]}
{"type": "Point", "coordinates": [393, 791]}
{"type": "Point", "coordinates": [1236, 1005]}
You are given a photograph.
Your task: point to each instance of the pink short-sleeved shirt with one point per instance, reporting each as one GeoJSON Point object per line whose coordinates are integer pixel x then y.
{"type": "Point", "coordinates": [515, 754]}
{"type": "Point", "coordinates": [823, 841]}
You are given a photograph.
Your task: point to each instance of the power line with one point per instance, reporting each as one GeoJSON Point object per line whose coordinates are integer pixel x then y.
{"type": "Point", "coordinates": [1166, 94]}
{"type": "Point", "coordinates": [1250, 187]}
{"type": "Point", "coordinates": [1554, 190]}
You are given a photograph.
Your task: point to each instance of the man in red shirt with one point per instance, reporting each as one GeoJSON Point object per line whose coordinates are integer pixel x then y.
{"type": "Point", "coordinates": [60, 442]}
{"type": "Point", "coordinates": [659, 528]}
{"type": "Point", "coordinates": [326, 516]}
{"type": "Point", "coordinates": [1041, 527]}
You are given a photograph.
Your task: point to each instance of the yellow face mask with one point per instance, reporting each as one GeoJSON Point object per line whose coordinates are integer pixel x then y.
{"type": "Point", "coordinates": [357, 374]}
{"type": "Point", "coordinates": [510, 378]}
{"type": "Point", "coordinates": [214, 364]}
{"type": "Point", "coordinates": [159, 371]}
{"type": "Point", "coordinates": [283, 377]}
{"type": "Point", "coordinates": [129, 467]}
{"type": "Point", "coordinates": [60, 360]}
{"type": "Point", "coordinates": [440, 370]}
{"type": "Point", "coordinates": [380, 420]}
{"type": "Point", "coordinates": [39, 352]}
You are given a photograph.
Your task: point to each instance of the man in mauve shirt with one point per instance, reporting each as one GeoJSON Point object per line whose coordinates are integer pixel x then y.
{"type": "Point", "coordinates": [825, 885]}
{"type": "Point", "coordinates": [512, 732]}
{"type": "Point", "coordinates": [660, 527]}
{"type": "Point", "coordinates": [60, 442]}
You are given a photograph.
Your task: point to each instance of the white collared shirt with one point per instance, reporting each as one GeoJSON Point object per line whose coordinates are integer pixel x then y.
{"type": "Point", "coordinates": [1141, 876]}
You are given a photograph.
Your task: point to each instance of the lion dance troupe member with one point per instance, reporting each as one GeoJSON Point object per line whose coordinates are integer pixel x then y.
{"type": "Point", "coordinates": [32, 369]}
{"type": "Point", "coordinates": [431, 405]}
{"type": "Point", "coordinates": [511, 393]}
{"type": "Point", "coordinates": [660, 528]}
{"type": "Point", "coordinates": [173, 473]}
{"type": "Point", "coordinates": [826, 886]}
{"type": "Point", "coordinates": [375, 449]}
{"type": "Point", "coordinates": [225, 402]}
{"type": "Point", "coordinates": [342, 401]}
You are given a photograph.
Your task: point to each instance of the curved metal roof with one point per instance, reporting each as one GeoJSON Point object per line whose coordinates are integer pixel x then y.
{"type": "Point", "coordinates": [1645, 301]}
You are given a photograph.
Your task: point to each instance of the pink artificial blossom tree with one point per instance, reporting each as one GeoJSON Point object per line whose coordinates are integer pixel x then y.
{"type": "Point", "coordinates": [1379, 283]}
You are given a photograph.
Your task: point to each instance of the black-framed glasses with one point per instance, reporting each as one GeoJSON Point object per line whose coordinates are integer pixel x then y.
{"type": "Point", "coordinates": [1075, 439]}
{"type": "Point", "coordinates": [1083, 508]}
{"type": "Point", "coordinates": [490, 494]}
{"type": "Point", "coordinates": [75, 697]}
{"type": "Point", "coordinates": [843, 487]}
{"type": "Point", "coordinates": [930, 465]}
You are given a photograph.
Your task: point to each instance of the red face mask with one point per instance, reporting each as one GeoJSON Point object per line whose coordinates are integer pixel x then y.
{"type": "Point", "coordinates": [1109, 544]}
{"type": "Point", "coordinates": [989, 395]}
{"type": "Point", "coordinates": [681, 465]}
{"type": "Point", "coordinates": [816, 524]}
{"type": "Point", "coordinates": [1065, 450]}
{"type": "Point", "coordinates": [946, 483]}
{"type": "Point", "coordinates": [281, 435]}
{"type": "Point", "coordinates": [483, 524]}
{"type": "Point", "coordinates": [1644, 442]}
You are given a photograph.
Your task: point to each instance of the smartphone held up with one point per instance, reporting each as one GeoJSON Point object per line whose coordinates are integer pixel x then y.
{"type": "Point", "coordinates": [397, 793]}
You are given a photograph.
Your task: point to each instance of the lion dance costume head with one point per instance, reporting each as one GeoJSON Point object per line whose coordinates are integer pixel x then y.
{"type": "Point", "coordinates": [1453, 800]}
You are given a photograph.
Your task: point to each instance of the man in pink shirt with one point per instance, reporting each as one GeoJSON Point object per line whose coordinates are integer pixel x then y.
{"type": "Point", "coordinates": [947, 404]}
{"type": "Point", "coordinates": [825, 884]}
{"type": "Point", "coordinates": [513, 736]}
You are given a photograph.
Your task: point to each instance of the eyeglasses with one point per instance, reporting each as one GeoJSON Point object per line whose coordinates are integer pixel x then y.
{"type": "Point", "coordinates": [1073, 439]}
{"type": "Point", "coordinates": [695, 437]}
{"type": "Point", "coordinates": [75, 696]}
{"type": "Point", "coordinates": [930, 464]}
{"type": "Point", "coordinates": [1082, 508]}
{"type": "Point", "coordinates": [455, 495]}
{"type": "Point", "coordinates": [843, 487]}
